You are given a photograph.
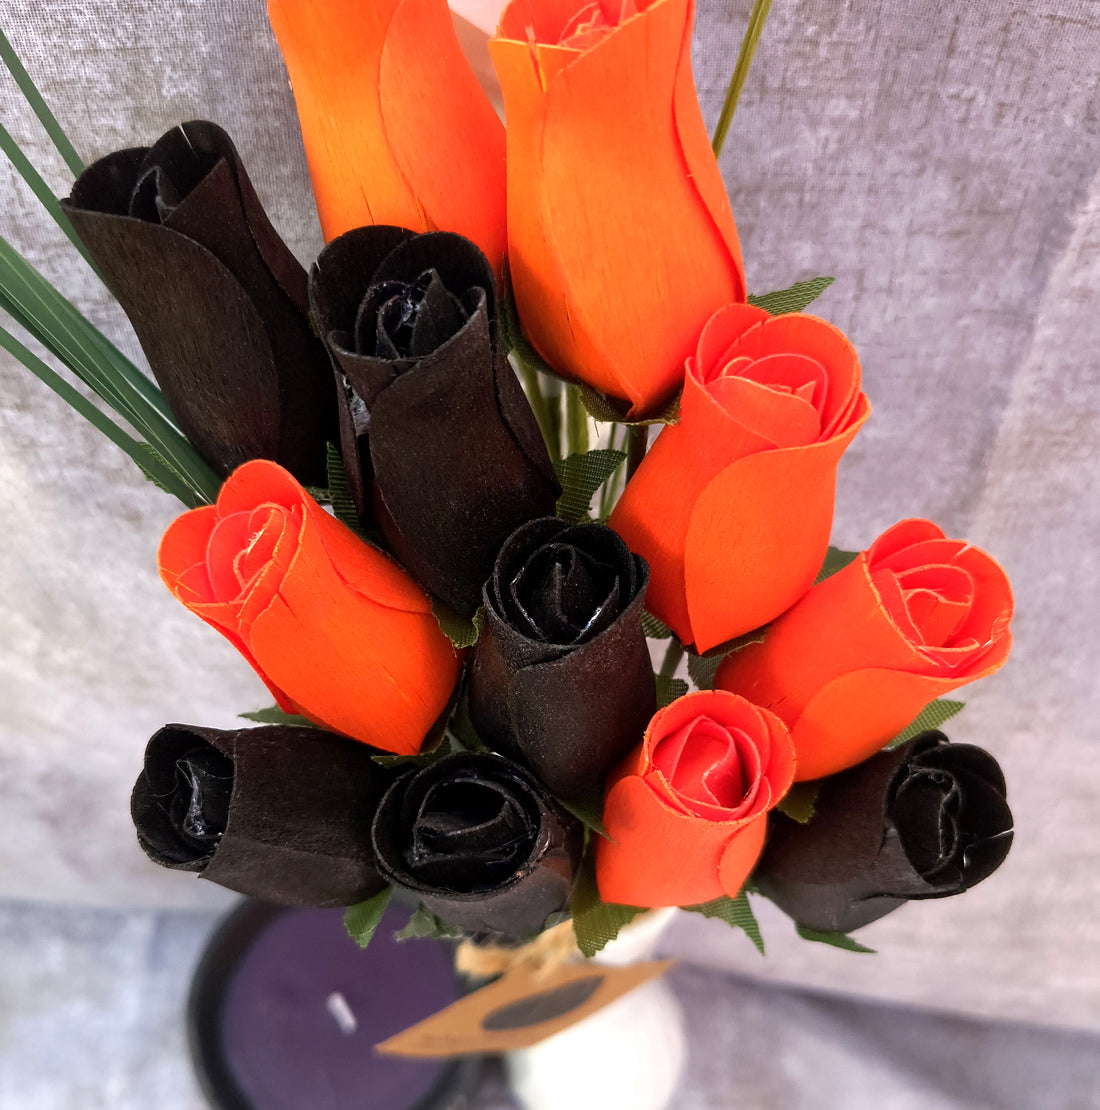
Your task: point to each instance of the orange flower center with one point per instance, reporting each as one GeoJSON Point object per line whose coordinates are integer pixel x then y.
{"type": "Point", "coordinates": [592, 22]}
{"type": "Point", "coordinates": [241, 547]}
{"type": "Point", "coordinates": [714, 769]}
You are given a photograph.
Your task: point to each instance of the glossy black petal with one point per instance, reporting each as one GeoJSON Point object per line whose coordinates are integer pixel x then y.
{"type": "Point", "coordinates": [926, 820]}
{"type": "Point", "coordinates": [216, 298]}
{"type": "Point", "coordinates": [278, 813]}
{"type": "Point", "coordinates": [480, 843]}
{"type": "Point", "coordinates": [561, 676]}
{"type": "Point", "coordinates": [439, 443]}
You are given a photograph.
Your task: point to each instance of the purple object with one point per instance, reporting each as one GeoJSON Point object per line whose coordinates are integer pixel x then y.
{"type": "Point", "coordinates": [285, 1011]}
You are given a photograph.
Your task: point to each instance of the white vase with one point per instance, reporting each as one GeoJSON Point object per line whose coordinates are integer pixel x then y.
{"type": "Point", "coordinates": [627, 1056]}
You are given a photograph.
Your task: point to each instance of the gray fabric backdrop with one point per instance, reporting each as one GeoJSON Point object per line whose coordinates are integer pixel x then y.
{"type": "Point", "coordinates": [940, 158]}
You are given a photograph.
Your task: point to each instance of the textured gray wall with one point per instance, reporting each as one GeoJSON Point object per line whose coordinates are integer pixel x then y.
{"type": "Point", "coordinates": [940, 158]}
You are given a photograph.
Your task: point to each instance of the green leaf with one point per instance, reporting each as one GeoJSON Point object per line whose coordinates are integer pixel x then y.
{"type": "Point", "coordinates": [702, 668]}
{"type": "Point", "coordinates": [424, 925]}
{"type": "Point", "coordinates": [837, 940]}
{"type": "Point", "coordinates": [798, 803]}
{"type": "Point", "coordinates": [276, 716]}
{"type": "Point", "coordinates": [610, 410]}
{"type": "Point", "coordinates": [581, 476]}
{"type": "Point", "coordinates": [461, 632]}
{"type": "Point", "coordinates": [931, 716]}
{"type": "Point", "coordinates": [835, 559]}
{"type": "Point", "coordinates": [361, 920]}
{"type": "Point", "coordinates": [587, 810]}
{"type": "Point", "coordinates": [343, 504]}
{"type": "Point", "coordinates": [669, 689]}
{"type": "Point", "coordinates": [735, 912]}
{"type": "Point", "coordinates": [793, 299]}
{"type": "Point", "coordinates": [422, 758]}
{"type": "Point", "coordinates": [595, 923]}
{"type": "Point", "coordinates": [158, 470]}
{"type": "Point", "coordinates": [555, 919]}
{"type": "Point", "coordinates": [654, 628]}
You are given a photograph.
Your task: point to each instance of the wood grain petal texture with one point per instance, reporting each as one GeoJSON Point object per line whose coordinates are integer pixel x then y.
{"type": "Point", "coordinates": [396, 128]}
{"type": "Point", "coordinates": [334, 626]}
{"type": "Point", "coordinates": [626, 199]}
{"type": "Point", "coordinates": [842, 674]}
{"type": "Point", "coordinates": [218, 303]}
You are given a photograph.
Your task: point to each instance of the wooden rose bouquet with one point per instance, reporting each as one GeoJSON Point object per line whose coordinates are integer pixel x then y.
{"type": "Point", "coordinates": [423, 505]}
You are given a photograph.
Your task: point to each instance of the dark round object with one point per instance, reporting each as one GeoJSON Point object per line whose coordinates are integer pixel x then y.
{"type": "Point", "coordinates": [285, 1011]}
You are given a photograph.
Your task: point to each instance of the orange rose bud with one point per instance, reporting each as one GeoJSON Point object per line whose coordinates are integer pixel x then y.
{"type": "Point", "coordinates": [396, 128]}
{"type": "Point", "coordinates": [621, 241]}
{"type": "Point", "coordinates": [913, 617]}
{"type": "Point", "coordinates": [337, 630]}
{"type": "Point", "coordinates": [733, 506]}
{"type": "Point", "coordinates": [685, 811]}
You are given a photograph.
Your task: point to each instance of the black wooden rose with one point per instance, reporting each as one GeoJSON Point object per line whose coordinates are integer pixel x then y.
{"type": "Point", "coordinates": [278, 813]}
{"type": "Point", "coordinates": [926, 820]}
{"type": "Point", "coordinates": [217, 300]}
{"type": "Point", "coordinates": [480, 843]}
{"type": "Point", "coordinates": [561, 676]}
{"type": "Point", "coordinates": [439, 442]}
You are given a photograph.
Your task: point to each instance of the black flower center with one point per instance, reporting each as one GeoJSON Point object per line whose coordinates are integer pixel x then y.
{"type": "Point", "coordinates": [198, 807]}
{"type": "Point", "coordinates": [564, 595]}
{"type": "Point", "coordinates": [470, 835]}
{"type": "Point", "coordinates": [399, 319]}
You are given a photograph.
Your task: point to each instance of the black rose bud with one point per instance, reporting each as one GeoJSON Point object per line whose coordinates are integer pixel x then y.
{"type": "Point", "coordinates": [438, 439]}
{"type": "Point", "coordinates": [480, 843]}
{"type": "Point", "coordinates": [277, 813]}
{"type": "Point", "coordinates": [561, 676]}
{"type": "Point", "coordinates": [218, 302]}
{"type": "Point", "coordinates": [926, 820]}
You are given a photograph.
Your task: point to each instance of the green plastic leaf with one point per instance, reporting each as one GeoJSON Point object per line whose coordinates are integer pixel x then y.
{"type": "Point", "coordinates": [702, 668]}
{"type": "Point", "coordinates": [931, 716]}
{"type": "Point", "coordinates": [276, 716]}
{"type": "Point", "coordinates": [587, 810]}
{"type": "Point", "coordinates": [581, 476]}
{"type": "Point", "coordinates": [343, 504]}
{"type": "Point", "coordinates": [654, 628]}
{"type": "Point", "coordinates": [440, 748]}
{"type": "Point", "coordinates": [424, 925]}
{"type": "Point", "coordinates": [735, 912]}
{"type": "Point", "coordinates": [837, 940]}
{"type": "Point", "coordinates": [793, 299]}
{"type": "Point", "coordinates": [610, 410]}
{"type": "Point", "coordinates": [362, 920]}
{"type": "Point", "coordinates": [835, 559]}
{"type": "Point", "coordinates": [669, 689]}
{"type": "Point", "coordinates": [461, 632]}
{"type": "Point", "coordinates": [596, 923]}
{"type": "Point", "coordinates": [799, 802]}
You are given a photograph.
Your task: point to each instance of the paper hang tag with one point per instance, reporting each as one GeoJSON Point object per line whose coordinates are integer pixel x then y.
{"type": "Point", "coordinates": [520, 1009]}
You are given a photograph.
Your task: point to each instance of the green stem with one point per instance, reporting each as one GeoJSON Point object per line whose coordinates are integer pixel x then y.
{"type": "Point", "coordinates": [757, 19]}
{"type": "Point", "coordinates": [42, 191]}
{"type": "Point", "coordinates": [34, 98]}
{"type": "Point", "coordinates": [637, 439]}
{"type": "Point", "coordinates": [610, 489]}
{"type": "Point", "coordinates": [529, 376]}
{"type": "Point", "coordinates": [673, 654]}
{"type": "Point", "coordinates": [576, 422]}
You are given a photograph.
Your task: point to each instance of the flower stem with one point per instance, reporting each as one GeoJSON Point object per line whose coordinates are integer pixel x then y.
{"type": "Point", "coordinates": [673, 654]}
{"type": "Point", "coordinates": [529, 376]}
{"type": "Point", "coordinates": [757, 19]}
{"type": "Point", "coordinates": [576, 422]}
{"type": "Point", "coordinates": [637, 439]}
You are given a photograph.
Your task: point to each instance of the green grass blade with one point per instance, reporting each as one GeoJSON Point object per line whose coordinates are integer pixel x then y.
{"type": "Point", "coordinates": [34, 98]}
{"type": "Point", "coordinates": [757, 19]}
{"type": "Point", "coordinates": [152, 466]}
{"type": "Point", "coordinates": [42, 191]}
{"type": "Point", "coordinates": [48, 316]}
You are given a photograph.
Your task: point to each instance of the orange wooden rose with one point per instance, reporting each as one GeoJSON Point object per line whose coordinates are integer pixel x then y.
{"type": "Point", "coordinates": [621, 241]}
{"type": "Point", "coordinates": [337, 630]}
{"type": "Point", "coordinates": [913, 617]}
{"type": "Point", "coordinates": [733, 506]}
{"type": "Point", "coordinates": [396, 128]}
{"type": "Point", "coordinates": [685, 812]}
